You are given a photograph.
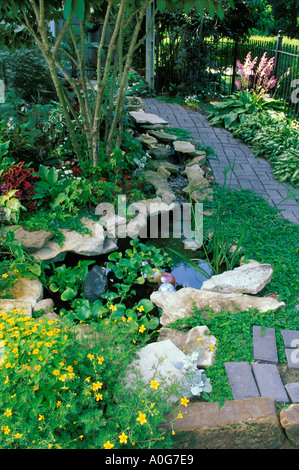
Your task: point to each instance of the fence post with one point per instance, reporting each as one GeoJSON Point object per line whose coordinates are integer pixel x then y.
{"type": "Point", "coordinates": [278, 49]}
{"type": "Point", "coordinates": [234, 63]}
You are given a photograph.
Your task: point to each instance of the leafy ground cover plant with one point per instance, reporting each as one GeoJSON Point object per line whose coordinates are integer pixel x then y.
{"type": "Point", "coordinates": [230, 112]}
{"type": "Point", "coordinates": [266, 237]}
{"type": "Point", "coordinates": [75, 388]}
{"type": "Point", "coordinates": [276, 138]}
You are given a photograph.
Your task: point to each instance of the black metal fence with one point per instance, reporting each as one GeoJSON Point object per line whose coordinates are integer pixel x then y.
{"type": "Point", "coordinates": [221, 66]}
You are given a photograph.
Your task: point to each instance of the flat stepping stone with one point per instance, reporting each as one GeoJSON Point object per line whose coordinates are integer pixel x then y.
{"type": "Point", "coordinates": [292, 356]}
{"type": "Point", "coordinates": [290, 338]}
{"type": "Point", "coordinates": [241, 380]}
{"type": "Point", "coordinates": [264, 345]}
{"type": "Point", "coordinates": [269, 382]}
{"type": "Point", "coordinates": [293, 391]}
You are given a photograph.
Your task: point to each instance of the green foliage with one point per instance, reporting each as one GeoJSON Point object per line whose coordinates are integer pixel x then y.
{"type": "Point", "coordinates": [11, 207]}
{"type": "Point", "coordinates": [267, 238]}
{"type": "Point", "coordinates": [134, 266]}
{"type": "Point", "coordinates": [230, 112]}
{"type": "Point", "coordinates": [26, 72]}
{"type": "Point", "coordinates": [275, 138]}
{"type": "Point", "coordinates": [68, 281]}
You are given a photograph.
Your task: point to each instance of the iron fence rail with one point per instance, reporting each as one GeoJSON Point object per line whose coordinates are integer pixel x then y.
{"type": "Point", "coordinates": [223, 54]}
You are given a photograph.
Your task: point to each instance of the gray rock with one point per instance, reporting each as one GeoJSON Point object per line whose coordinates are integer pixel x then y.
{"type": "Point", "coordinates": [148, 140]}
{"type": "Point", "coordinates": [293, 391]}
{"type": "Point", "coordinates": [163, 137]}
{"type": "Point", "coordinates": [159, 152]}
{"type": "Point", "coordinates": [141, 117]}
{"type": "Point", "coordinates": [95, 283]}
{"type": "Point", "coordinates": [247, 279]}
{"type": "Point", "coordinates": [264, 345]}
{"type": "Point", "coordinates": [173, 169]}
{"type": "Point", "coordinates": [184, 147]}
{"type": "Point", "coordinates": [196, 180]}
{"type": "Point", "coordinates": [32, 240]}
{"type": "Point", "coordinates": [161, 361]}
{"type": "Point", "coordinates": [190, 341]}
{"type": "Point", "coordinates": [160, 184]}
{"type": "Point", "coordinates": [44, 304]}
{"type": "Point", "coordinates": [200, 159]}
{"type": "Point", "coordinates": [241, 380]}
{"type": "Point", "coordinates": [269, 382]}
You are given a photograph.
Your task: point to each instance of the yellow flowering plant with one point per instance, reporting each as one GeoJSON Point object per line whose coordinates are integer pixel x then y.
{"type": "Point", "coordinates": [64, 388]}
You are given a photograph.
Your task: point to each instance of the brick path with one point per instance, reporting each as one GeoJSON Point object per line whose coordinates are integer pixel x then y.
{"type": "Point", "coordinates": [262, 378]}
{"type": "Point", "coordinates": [242, 168]}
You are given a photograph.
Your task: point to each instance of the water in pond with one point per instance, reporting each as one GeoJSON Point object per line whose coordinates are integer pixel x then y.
{"type": "Point", "coordinates": [185, 275]}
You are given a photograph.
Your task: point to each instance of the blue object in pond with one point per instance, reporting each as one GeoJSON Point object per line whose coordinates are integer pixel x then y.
{"type": "Point", "coordinates": [166, 287]}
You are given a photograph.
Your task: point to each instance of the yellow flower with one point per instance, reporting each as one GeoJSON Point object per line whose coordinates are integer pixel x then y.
{"type": "Point", "coordinates": [8, 412]}
{"type": "Point", "coordinates": [100, 360]}
{"type": "Point", "coordinates": [180, 416]}
{"type": "Point", "coordinates": [141, 418]}
{"type": "Point", "coordinates": [140, 309]}
{"type": "Point", "coordinates": [56, 372]}
{"type": "Point", "coordinates": [154, 384]}
{"type": "Point", "coordinates": [113, 308]}
{"type": "Point", "coordinates": [5, 275]}
{"type": "Point", "coordinates": [41, 417]}
{"type": "Point", "coordinates": [199, 339]}
{"type": "Point", "coordinates": [108, 445]}
{"type": "Point", "coordinates": [96, 386]}
{"type": "Point", "coordinates": [58, 404]}
{"type": "Point", "coordinates": [87, 379]}
{"type": "Point", "coordinates": [123, 319]}
{"type": "Point", "coordinates": [17, 435]}
{"type": "Point", "coordinates": [99, 396]}
{"type": "Point", "coordinates": [123, 438]}
{"type": "Point", "coordinates": [211, 347]}
{"type": "Point", "coordinates": [184, 401]}
{"type": "Point", "coordinates": [142, 329]}
{"type": "Point", "coordinates": [6, 430]}
{"type": "Point", "coordinates": [90, 356]}
{"type": "Point", "coordinates": [129, 319]}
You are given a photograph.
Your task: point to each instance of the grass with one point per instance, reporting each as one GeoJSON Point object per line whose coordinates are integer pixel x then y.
{"type": "Point", "coordinates": [268, 238]}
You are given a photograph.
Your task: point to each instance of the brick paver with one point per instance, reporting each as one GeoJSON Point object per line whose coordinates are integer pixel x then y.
{"type": "Point", "coordinates": [243, 169]}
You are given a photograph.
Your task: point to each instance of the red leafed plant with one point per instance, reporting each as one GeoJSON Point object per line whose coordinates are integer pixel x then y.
{"type": "Point", "coordinates": [21, 179]}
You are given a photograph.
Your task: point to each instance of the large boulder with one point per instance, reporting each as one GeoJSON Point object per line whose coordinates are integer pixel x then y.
{"type": "Point", "coordinates": [90, 244]}
{"type": "Point", "coordinates": [247, 279]}
{"type": "Point", "coordinates": [180, 304]}
{"type": "Point", "coordinates": [31, 240]}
